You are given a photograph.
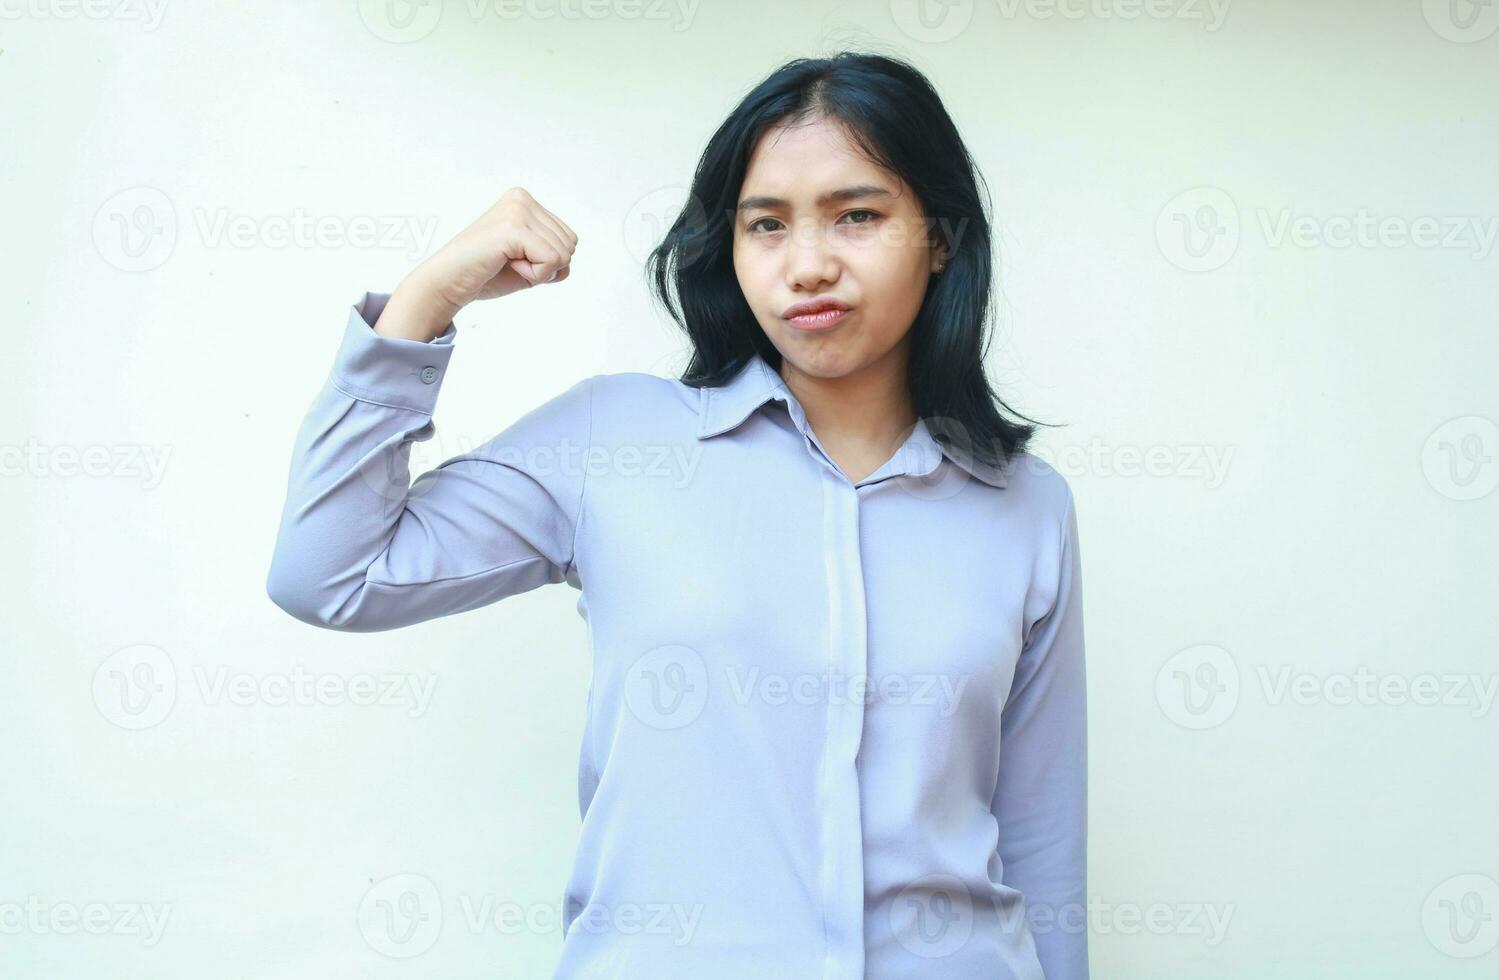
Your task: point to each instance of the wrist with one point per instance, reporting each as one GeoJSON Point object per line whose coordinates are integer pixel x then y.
{"type": "Point", "coordinates": [416, 311]}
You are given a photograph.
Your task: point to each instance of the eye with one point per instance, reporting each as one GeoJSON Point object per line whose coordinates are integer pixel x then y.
{"type": "Point", "coordinates": [872, 216]}
{"type": "Point", "coordinates": [753, 224]}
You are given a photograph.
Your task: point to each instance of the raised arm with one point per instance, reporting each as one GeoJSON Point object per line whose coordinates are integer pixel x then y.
{"type": "Point", "coordinates": [360, 546]}
{"type": "Point", "coordinates": [1041, 803]}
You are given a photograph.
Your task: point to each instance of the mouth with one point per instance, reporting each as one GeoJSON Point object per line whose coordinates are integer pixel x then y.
{"type": "Point", "coordinates": [818, 321]}
{"type": "Point", "coordinates": [817, 314]}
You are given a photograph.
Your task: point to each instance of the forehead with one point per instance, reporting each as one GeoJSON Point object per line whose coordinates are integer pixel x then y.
{"type": "Point", "coordinates": [802, 161]}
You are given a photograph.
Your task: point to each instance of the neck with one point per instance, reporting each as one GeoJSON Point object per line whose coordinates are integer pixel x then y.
{"type": "Point", "coordinates": [870, 407]}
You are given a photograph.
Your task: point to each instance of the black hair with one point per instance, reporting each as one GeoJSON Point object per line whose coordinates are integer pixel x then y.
{"type": "Point", "coordinates": [897, 119]}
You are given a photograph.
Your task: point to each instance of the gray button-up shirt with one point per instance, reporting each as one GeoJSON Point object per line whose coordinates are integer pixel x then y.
{"type": "Point", "coordinates": [835, 730]}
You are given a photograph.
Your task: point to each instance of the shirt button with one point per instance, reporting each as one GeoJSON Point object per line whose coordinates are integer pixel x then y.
{"type": "Point", "coordinates": [429, 375]}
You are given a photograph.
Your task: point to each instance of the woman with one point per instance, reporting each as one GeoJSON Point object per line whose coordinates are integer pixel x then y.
{"type": "Point", "coordinates": [836, 726]}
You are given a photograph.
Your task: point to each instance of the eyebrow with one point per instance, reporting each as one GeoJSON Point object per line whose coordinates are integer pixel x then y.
{"type": "Point", "coordinates": [831, 197]}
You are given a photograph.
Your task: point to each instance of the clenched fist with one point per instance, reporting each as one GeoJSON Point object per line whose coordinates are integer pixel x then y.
{"type": "Point", "coordinates": [514, 245]}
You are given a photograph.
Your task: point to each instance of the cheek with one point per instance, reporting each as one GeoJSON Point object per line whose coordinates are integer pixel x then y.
{"type": "Point", "coordinates": [890, 277]}
{"type": "Point", "coordinates": [756, 275]}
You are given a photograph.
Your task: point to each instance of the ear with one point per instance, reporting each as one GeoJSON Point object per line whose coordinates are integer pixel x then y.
{"type": "Point", "coordinates": [939, 258]}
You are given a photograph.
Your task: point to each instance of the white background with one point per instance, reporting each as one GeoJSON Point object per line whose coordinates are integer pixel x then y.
{"type": "Point", "coordinates": [153, 158]}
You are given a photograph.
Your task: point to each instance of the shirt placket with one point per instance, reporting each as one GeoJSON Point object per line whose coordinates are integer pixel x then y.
{"type": "Point", "coordinates": [847, 649]}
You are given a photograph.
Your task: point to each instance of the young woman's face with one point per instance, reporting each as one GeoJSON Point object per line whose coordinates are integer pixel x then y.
{"type": "Point", "coordinates": [818, 221]}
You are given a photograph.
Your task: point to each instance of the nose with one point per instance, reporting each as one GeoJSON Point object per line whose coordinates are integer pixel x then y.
{"type": "Point", "coordinates": [811, 262]}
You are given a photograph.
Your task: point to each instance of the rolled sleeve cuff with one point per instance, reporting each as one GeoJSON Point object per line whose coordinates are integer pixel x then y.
{"type": "Point", "coordinates": [390, 370]}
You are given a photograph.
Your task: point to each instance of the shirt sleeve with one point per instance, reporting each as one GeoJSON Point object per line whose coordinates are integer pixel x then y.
{"type": "Point", "coordinates": [362, 548]}
{"type": "Point", "coordinates": [1041, 800]}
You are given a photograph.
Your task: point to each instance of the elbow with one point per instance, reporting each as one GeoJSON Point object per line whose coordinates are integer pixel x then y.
{"type": "Point", "coordinates": [304, 601]}
{"type": "Point", "coordinates": [293, 598]}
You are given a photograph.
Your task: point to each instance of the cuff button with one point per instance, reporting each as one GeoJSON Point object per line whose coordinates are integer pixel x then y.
{"type": "Point", "coordinates": [429, 375]}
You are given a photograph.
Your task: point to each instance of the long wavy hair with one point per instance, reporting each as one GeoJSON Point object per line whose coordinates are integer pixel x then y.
{"type": "Point", "coordinates": [896, 118]}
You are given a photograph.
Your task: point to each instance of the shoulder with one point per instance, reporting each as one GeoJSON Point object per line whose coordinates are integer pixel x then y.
{"type": "Point", "coordinates": [636, 404]}
{"type": "Point", "coordinates": [1039, 486]}
{"type": "Point", "coordinates": [637, 390]}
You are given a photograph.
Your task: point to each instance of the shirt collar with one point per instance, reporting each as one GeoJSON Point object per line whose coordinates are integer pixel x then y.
{"type": "Point", "coordinates": [726, 406]}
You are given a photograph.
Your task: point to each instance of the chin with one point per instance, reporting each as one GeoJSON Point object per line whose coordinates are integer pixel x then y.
{"type": "Point", "coordinates": [820, 358]}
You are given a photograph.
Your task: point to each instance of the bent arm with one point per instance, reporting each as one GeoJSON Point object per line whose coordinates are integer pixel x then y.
{"type": "Point", "coordinates": [361, 548]}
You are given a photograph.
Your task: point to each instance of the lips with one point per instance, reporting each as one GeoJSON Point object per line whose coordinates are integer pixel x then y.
{"type": "Point", "coordinates": [812, 306]}
{"type": "Point", "coordinates": [825, 320]}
